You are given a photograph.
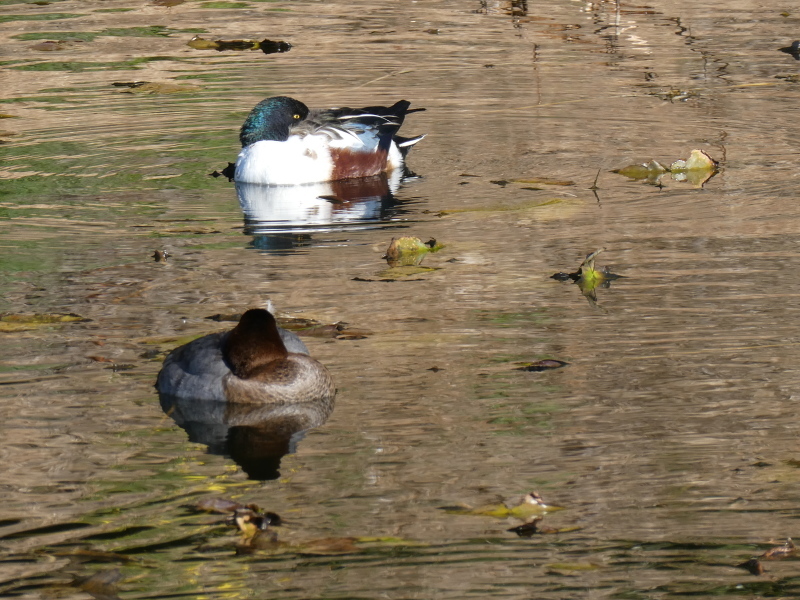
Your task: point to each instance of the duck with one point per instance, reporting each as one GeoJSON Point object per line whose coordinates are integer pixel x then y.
{"type": "Point", "coordinates": [255, 363]}
{"type": "Point", "coordinates": [286, 143]}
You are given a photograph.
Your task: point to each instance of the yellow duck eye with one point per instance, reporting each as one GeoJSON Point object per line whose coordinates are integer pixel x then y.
{"type": "Point", "coordinates": [296, 117]}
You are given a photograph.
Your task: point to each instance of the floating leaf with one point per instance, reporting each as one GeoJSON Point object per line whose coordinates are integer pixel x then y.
{"type": "Point", "coordinates": [697, 169]}
{"type": "Point", "coordinates": [530, 505]}
{"type": "Point", "coordinates": [697, 160]}
{"type": "Point", "coordinates": [651, 170]}
{"type": "Point", "coordinates": [588, 278]}
{"type": "Point", "coordinates": [266, 46]}
{"type": "Point", "coordinates": [409, 251]}
{"type": "Point", "coordinates": [18, 322]}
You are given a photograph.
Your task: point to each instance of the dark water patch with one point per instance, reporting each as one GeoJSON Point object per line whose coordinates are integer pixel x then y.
{"type": "Point", "coordinates": [50, 529]}
{"type": "Point", "coordinates": [119, 534]}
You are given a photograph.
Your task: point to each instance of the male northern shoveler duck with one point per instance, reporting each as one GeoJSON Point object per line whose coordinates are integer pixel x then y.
{"type": "Point", "coordinates": [256, 362]}
{"type": "Point", "coordinates": [285, 143]}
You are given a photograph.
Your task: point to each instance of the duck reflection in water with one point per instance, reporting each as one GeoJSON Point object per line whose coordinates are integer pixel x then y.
{"type": "Point", "coordinates": [275, 214]}
{"type": "Point", "coordinates": [249, 393]}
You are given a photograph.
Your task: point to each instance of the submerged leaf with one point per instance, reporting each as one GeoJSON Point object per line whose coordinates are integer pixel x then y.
{"type": "Point", "coordinates": [43, 318]}
{"type": "Point", "coordinates": [101, 585]}
{"type": "Point", "coordinates": [18, 322]}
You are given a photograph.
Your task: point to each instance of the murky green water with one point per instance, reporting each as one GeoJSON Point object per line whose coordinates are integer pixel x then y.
{"type": "Point", "coordinates": [671, 436]}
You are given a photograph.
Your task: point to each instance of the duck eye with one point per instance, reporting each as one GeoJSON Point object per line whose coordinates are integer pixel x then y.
{"type": "Point", "coordinates": [296, 117]}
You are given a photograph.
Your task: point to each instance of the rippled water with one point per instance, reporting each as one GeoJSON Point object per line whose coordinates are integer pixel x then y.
{"type": "Point", "coordinates": [670, 438]}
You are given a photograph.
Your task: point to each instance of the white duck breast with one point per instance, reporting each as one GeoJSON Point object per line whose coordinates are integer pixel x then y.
{"type": "Point", "coordinates": [298, 160]}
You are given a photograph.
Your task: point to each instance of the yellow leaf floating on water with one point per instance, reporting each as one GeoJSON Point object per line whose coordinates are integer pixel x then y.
{"type": "Point", "coordinates": [697, 160]}
{"type": "Point", "coordinates": [696, 170]}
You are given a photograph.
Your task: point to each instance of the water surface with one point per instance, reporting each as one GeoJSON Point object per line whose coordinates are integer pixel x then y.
{"type": "Point", "coordinates": [670, 438]}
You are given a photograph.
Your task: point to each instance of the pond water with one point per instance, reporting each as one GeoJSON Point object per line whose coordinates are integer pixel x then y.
{"type": "Point", "coordinates": [670, 438]}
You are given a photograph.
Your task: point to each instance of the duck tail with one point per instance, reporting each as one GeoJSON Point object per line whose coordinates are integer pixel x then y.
{"type": "Point", "coordinates": [405, 144]}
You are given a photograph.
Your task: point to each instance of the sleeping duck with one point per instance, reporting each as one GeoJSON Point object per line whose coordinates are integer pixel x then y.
{"type": "Point", "coordinates": [286, 143]}
{"type": "Point", "coordinates": [256, 362]}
